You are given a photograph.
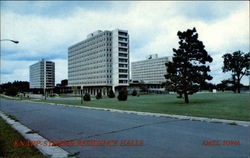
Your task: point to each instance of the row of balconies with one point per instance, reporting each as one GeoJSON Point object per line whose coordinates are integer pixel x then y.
{"type": "Point", "coordinates": [123, 40]}
{"type": "Point", "coordinates": [90, 82]}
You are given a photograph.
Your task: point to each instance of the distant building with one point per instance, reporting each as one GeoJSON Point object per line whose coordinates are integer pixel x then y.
{"type": "Point", "coordinates": [151, 70]}
{"type": "Point", "coordinates": [62, 87]}
{"type": "Point", "coordinates": [99, 62]}
{"type": "Point", "coordinates": [42, 75]}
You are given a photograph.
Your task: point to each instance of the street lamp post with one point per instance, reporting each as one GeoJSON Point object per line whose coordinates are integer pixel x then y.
{"type": "Point", "coordinates": [14, 41]}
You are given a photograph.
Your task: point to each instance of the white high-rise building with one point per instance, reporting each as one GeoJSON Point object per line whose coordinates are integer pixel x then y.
{"type": "Point", "coordinates": [42, 75]}
{"type": "Point", "coordinates": [100, 61]}
{"type": "Point", "coordinates": [151, 70]}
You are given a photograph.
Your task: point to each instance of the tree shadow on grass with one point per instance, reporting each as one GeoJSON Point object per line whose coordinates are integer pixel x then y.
{"type": "Point", "coordinates": [181, 102]}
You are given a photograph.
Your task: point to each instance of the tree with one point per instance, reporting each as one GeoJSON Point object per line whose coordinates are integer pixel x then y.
{"type": "Point", "coordinates": [64, 83]}
{"type": "Point", "coordinates": [238, 64]}
{"type": "Point", "coordinates": [86, 97]}
{"type": "Point", "coordinates": [188, 70]}
{"type": "Point", "coordinates": [123, 95]}
{"type": "Point", "coordinates": [207, 86]}
{"type": "Point", "coordinates": [99, 95]}
{"type": "Point", "coordinates": [223, 85]}
{"type": "Point", "coordinates": [111, 94]}
{"type": "Point", "coordinates": [12, 91]}
{"type": "Point", "coordinates": [134, 93]}
{"type": "Point", "coordinates": [143, 87]}
{"type": "Point", "coordinates": [21, 86]}
{"type": "Point", "coordinates": [171, 86]}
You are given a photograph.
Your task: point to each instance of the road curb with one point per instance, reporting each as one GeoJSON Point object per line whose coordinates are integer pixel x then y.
{"type": "Point", "coordinates": [51, 151]}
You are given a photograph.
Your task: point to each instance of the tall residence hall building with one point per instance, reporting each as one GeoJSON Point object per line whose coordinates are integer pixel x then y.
{"type": "Point", "coordinates": [42, 75]}
{"type": "Point", "coordinates": [150, 71]}
{"type": "Point", "coordinates": [100, 62]}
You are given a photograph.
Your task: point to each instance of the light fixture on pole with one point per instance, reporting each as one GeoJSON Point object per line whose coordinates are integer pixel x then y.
{"type": "Point", "coordinates": [14, 41]}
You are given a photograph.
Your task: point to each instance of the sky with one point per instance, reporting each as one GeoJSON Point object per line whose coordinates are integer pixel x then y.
{"type": "Point", "coordinates": [45, 29]}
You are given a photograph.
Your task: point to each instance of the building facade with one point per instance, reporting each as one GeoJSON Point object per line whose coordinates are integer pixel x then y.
{"type": "Point", "coordinates": [42, 75]}
{"type": "Point", "coordinates": [99, 62]}
{"type": "Point", "coordinates": [150, 71]}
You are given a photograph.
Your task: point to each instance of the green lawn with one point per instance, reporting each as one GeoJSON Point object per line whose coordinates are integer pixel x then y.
{"type": "Point", "coordinates": [7, 149]}
{"type": "Point", "coordinates": [68, 96]}
{"type": "Point", "coordinates": [213, 105]}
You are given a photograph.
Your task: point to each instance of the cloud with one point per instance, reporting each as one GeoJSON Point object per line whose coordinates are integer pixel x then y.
{"type": "Point", "coordinates": [219, 36]}
{"type": "Point", "coordinates": [222, 26]}
{"type": "Point", "coordinates": [15, 70]}
{"type": "Point", "coordinates": [12, 70]}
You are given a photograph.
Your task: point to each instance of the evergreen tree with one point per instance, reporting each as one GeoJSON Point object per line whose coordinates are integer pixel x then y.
{"type": "Point", "coordinates": [123, 95]}
{"type": "Point", "coordinates": [86, 97]}
{"type": "Point", "coordinates": [188, 70]}
{"type": "Point", "coordinates": [134, 93]}
{"type": "Point", "coordinates": [99, 95]}
{"type": "Point", "coordinates": [111, 94]}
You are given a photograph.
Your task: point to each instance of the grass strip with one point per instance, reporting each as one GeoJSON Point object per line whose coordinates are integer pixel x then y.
{"type": "Point", "coordinates": [8, 136]}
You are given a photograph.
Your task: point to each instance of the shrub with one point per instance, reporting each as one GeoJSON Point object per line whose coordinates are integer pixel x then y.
{"type": "Point", "coordinates": [86, 97]}
{"type": "Point", "coordinates": [99, 95]}
{"type": "Point", "coordinates": [123, 95]}
{"type": "Point", "coordinates": [12, 91]}
{"type": "Point", "coordinates": [52, 95]}
{"type": "Point", "coordinates": [134, 93]}
{"type": "Point", "coordinates": [111, 94]}
{"type": "Point", "coordinates": [1, 90]}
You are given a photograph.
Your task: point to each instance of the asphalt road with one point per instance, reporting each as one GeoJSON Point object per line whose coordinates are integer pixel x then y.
{"type": "Point", "coordinates": [162, 137]}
